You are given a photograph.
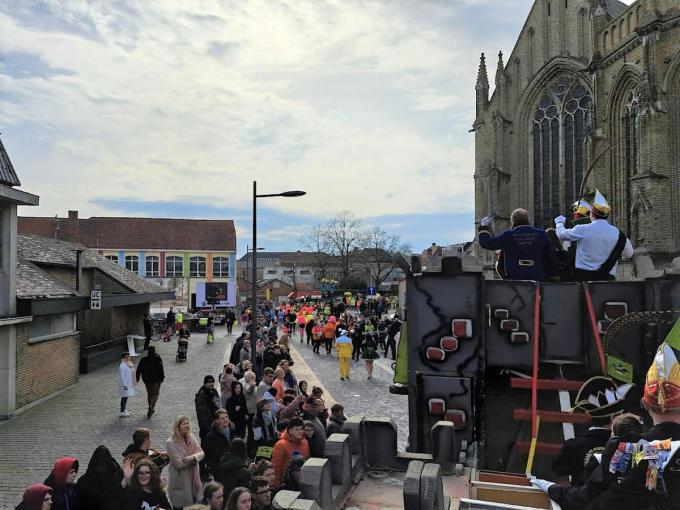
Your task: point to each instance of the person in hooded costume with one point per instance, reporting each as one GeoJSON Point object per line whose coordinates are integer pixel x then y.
{"type": "Point", "coordinates": [62, 480]}
{"type": "Point", "coordinates": [36, 497]}
{"type": "Point", "coordinates": [599, 244]}
{"type": "Point", "coordinates": [601, 399]}
{"type": "Point", "coordinates": [100, 487]}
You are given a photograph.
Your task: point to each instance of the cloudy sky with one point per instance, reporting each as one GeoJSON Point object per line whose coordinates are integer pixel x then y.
{"type": "Point", "coordinates": [172, 108]}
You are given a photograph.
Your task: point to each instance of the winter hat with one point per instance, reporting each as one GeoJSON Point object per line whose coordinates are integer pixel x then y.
{"type": "Point", "coordinates": [208, 379]}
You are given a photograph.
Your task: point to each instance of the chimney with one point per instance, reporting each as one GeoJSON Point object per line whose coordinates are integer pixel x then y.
{"type": "Point", "coordinates": [73, 215]}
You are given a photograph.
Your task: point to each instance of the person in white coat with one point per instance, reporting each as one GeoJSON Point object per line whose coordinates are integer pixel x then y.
{"type": "Point", "coordinates": [126, 379]}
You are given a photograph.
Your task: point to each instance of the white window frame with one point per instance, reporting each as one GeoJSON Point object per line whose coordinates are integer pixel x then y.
{"type": "Point", "coordinates": [176, 261]}
{"type": "Point", "coordinates": [195, 264]}
{"type": "Point", "coordinates": [220, 267]}
{"type": "Point", "coordinates": [130, 262]}
{"type": "Point", "coordinates": [154, 261]}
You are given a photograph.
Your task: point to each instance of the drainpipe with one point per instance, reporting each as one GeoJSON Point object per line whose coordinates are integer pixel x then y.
{"type": "Point", "coordinates": [79, 268]}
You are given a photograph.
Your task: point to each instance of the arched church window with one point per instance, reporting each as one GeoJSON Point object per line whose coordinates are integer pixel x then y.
{"type": "Point", "coordinates": [631, 132]}
{"type": "Point", "coordinates": [558, 133]}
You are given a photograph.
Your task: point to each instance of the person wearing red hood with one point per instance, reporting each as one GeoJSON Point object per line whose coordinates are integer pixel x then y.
{"type": "Point", "coordinates": [36, 497]}
{"type": "Point", "coordinates": [62, 480]}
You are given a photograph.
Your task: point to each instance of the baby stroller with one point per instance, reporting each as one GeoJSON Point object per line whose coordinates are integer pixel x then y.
{"type": "Point", "coordinates": [182, 348]}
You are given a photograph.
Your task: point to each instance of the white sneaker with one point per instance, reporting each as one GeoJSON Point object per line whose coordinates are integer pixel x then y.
{"type": "Point", "coordinates": [124, 414]}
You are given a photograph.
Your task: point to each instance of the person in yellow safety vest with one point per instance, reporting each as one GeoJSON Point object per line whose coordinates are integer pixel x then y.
{"type": "Point", "coordinates": [343, 344]}
{"type": "Point", "coordinates": [178, 321]}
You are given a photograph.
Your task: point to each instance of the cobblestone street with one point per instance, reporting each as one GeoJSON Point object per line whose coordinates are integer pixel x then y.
{"type": "Point", "coordinates": [359, 395]}
{"type": "Point", "coordinates": [85, 416]}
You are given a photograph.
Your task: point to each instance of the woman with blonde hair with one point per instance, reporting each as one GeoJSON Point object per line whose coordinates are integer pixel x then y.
{"type": "Point", "coordinates": [184, 480]}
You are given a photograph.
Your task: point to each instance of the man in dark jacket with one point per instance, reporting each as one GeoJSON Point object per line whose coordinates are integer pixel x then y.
{"type": "Point", "coordinates": [337, 419]}
{"type": "Point", "coordinates": [391, 341]}
{"type": "Point", "coordinates": [233, 471]}
{"type": "Point", "coordinates": [147, 331]}
{"type": "Point", "coordinates": [62, 481]}
{"type": "Point", "coordinates": [527, 252]}
{"type": "Point", "coordinates": [230, 318]}
{"type": "Point", "coordinates": [216, 443]}
{"type": "Point", "coordinates": [150, 369]}
{"type": "Point", "coordinates": [207, 402]}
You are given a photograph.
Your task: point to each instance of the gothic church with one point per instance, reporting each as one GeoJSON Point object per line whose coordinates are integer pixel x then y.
{"type": "Point", "coordinates": [589, 98]}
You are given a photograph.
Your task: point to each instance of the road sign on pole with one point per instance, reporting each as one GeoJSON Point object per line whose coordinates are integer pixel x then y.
{"type": "Point", "coordinates": [95, 300]}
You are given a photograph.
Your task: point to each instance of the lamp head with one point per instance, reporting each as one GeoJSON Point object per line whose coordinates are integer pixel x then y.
{"type": "Point", "coordinates": [293, 193]}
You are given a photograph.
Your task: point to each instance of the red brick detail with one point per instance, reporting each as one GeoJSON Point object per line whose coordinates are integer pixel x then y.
{"type": "Point", "coordinates": [436, 406]}
{"type": "Point", "coordinates": [519, 337]}
{"type": "Point", "coordinates": [461, 328]}
{"type": "Point", "coordinates": [136, 233]}
{"type": "Point", "coordinates": [509, 325]}
{"type": "Point", "coordinates": [435, 354]}
{"type": "Point", "coordinates": [615, 309]}
{"type": "Point", "coordinates": [501, 313]}
{"type": "Point", "coordinates": [44, 367]}
{"type": "Point", "coordinates": [449, 343]}
{"type": "Point", "coordinates": [457, 417]}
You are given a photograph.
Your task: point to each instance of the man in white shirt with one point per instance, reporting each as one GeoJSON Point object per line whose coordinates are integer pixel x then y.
{"type": "Point", "coordinates": [599, 244]}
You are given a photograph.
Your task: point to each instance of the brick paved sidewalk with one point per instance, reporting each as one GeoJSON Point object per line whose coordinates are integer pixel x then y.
{"type": "Point", "coordinates": [359, 395]}
{"type": "Point", "coordinates": [83, 417]}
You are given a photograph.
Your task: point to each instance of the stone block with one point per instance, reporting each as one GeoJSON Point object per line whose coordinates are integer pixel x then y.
{"type": "Point", "coordinates": [379, 442]}
{"type": "Point", "coordinates": [411, 489]}
{"type": "Point", "coordinates": [444, 446]}
{"type": "Point", "coordinates": [353, 428]}
{"type": "Point", "coordinates": [431, 488]}
{"type": "Point", "coordinates": [338, 452]}
{"type": "Point", "coordinates": [283, 499]}
{"type": "Point", "coordinates": [316, 482]}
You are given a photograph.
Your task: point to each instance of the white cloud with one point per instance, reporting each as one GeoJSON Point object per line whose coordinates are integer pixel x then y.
{"type": "Point", "coordinates": [365, 105]}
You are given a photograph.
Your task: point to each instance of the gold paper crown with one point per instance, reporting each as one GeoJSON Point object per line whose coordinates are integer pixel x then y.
{"type": "Point", "coordinates": [582, 208]}
{"type": "Point", "coordinates": [600, 204]}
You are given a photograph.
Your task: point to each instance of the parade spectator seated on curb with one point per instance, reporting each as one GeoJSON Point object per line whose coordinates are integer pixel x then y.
{"type": "Point", "coordinates": [233, 471]}
{"type": "Point", "coordinates": [217, 441]}
{"type": "Point", "coordinates": [62, 480]}
{"type": "Point", "coordinates": [527, 252]}
{"type": "Point", "coordinates": [36, 497]}
{"type": "Point", "coordinates": [144, 489]}
{"type": "Point", "coordinates": [141, 448]}
{"type": "Point", "coordinates": [101, 485]}
{"type": "Point", "coordinates": [292, 439]}
{"type": "Point", "coordinates": [337, 419]}
{"type": "Point", "coordinates": [150, 369]}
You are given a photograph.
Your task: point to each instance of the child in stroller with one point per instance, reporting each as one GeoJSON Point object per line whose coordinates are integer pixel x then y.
{"type": "Point", "coordinates": [182, 344]}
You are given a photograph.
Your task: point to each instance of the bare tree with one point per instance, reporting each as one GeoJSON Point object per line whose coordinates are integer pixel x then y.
{"type": "Point", "coordinates": [379, 249]}
{"type": "Point", "coordinates": [345, 235]}
{"type": "Point", "coordinates": [318, 244]}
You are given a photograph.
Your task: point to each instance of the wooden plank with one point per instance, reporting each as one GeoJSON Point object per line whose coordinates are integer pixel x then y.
{"type": "Point", "coordinates": [552, 416]}
{"type": "Point", "coordinates": [546, 384]}
{"type": "Point", "coordinates": [541, 448]}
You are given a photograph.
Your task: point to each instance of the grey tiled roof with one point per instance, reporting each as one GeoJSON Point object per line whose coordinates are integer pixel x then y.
{"type": "Point", "coordinates": [33, 282]}
{"type": "Point", "coordinates": [8, 176]}
{"type": "Point", "coordinates": [35, 251]}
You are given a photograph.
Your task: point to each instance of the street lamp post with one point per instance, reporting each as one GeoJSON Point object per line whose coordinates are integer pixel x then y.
{"type": "Point", "coordinates": [253, 322]}
{"type": "Point", "coordinates": [248, 250]}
